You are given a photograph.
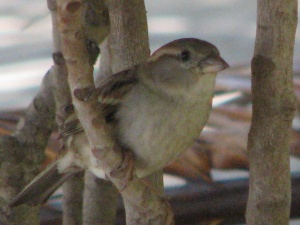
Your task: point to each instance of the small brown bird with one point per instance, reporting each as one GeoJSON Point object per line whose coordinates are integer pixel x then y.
{"type": "Point", "coordinates": [157, 110]}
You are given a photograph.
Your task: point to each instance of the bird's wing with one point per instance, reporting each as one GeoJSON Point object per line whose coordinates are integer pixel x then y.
{"type": "Point", "coordinates": [109, 95]}
{"type": "Point", "coordinates": [71, 126]}
{"type": "Point", "coordinates": [112, 90]}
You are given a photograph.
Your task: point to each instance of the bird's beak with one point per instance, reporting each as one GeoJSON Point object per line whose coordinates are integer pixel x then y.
{"type": "Point", "coordinates": [213, 64]}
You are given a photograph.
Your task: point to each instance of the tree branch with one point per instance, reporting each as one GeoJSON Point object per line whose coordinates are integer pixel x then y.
{"type": "Point", "coordinates": [273, 110]}
{"type": "Point", "coordinates": [128, 45]}
{"type": "Point", "coordinates": [23, 152]}
{"type": "Point", "coordinates": [145, 206]}
{"type": "Point", "coordinates": [97, 194]}
{"type": "Point", "coordinates": [100, 192]}
{"type": "Point", "coordinates": [74, 186]}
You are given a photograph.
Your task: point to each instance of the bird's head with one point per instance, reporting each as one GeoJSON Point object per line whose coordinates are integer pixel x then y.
{"type": "Point", "coordinates": [182, 64]}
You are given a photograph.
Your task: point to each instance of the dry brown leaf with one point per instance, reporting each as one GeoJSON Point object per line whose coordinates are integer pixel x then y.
{"type": "Point", "coordinates": [193, 164]}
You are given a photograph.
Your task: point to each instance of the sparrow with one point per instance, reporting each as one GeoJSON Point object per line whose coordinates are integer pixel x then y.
{"type": "Point", "coordinates": [156, 110]}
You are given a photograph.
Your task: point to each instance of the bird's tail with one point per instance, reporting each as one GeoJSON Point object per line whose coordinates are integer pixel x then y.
{"type": "Point", "coordinates": [43, 185]}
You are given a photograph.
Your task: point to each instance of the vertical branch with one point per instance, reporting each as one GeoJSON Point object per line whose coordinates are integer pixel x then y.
{"type": "Point", "coordinates": [72, 200]}
{"type": "Point", "coordinates": [22, 154]}
{"type": "Point", "coordinates": [128, 40]}
{"type": "Point", "coordinates": [98, 192]}
{"type": "Point", "coordinates": [100, 201]}
{"type": "Point", "coordinates": [72, 188]}
{"type": "Point", "coordinates": [273, 111]}
{"type": "Point", "coordinates": [128, 45]}
{"type": "Point", "coordinates": [145, 206]}
{"type": "Point", "coordinates": [95, 28]}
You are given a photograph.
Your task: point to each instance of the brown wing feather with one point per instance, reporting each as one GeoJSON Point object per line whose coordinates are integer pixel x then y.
{"type": "Point", "coordinates": [113, 89]}
{"type": "Point", "coordinates": [110, 94]}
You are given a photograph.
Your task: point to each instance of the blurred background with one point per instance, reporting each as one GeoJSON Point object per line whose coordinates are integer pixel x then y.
{"type": "Point", "coordinates": [25, 37]}
{"type": "Point", "coordinates": [25, 56]}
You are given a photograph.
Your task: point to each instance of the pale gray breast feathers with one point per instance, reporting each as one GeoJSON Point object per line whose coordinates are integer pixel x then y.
{"type": "Point", "coordinates": [157, 129]}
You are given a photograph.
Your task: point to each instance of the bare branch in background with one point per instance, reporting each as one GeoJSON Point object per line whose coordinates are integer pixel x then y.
{"type": "Point", "coordinates": [100, 201]}
{"type": "Point", "coordinates": [273, 110]}
{"type": "Point", "coordinates": [23, 152]}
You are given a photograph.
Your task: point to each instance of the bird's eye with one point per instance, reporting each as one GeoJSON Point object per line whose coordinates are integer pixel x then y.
{"type": "Point", "coordinates": [185, 55]}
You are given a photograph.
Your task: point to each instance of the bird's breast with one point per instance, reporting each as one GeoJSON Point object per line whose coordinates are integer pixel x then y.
{"type": "Point", "coordinates": [158, 131]}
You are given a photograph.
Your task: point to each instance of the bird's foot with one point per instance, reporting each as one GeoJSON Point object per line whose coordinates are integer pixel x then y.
{"type": "Point", "coordinates": [125, 170]}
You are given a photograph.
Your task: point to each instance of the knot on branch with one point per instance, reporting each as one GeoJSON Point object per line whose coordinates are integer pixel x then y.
{"type": "Point", "coordinates": [96, 13]}
{"type": "Point", "coordinates": [40, 105]}
{"type": "Point", "coordinates": [72, 7]}
{"type": "Point", "coordinates": [288, 107]}
{"type": "Point", "coordinates": [58, 58]}
{"type": "Point", "coordinates": [65, 111]}
{"type": "Point", "coordinates": [84, 94]}
{"type": "Point", "coordinates": [68, 109]}
{"type": "Point", "coordinates": [272, 88]}
{"type": "Point", "coordinates": [262, 67]}
{"type": "Point", "coordinates": [93, 51]}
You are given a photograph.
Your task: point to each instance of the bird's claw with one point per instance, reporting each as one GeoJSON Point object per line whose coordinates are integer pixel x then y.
{"type": "Point", "coordinates": [124, 171]}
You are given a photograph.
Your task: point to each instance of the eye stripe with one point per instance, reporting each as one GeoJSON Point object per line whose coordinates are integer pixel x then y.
{"type": "Point", "coordinates": [170, 52]}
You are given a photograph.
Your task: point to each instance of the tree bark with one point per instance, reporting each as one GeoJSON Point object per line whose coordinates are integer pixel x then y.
{"type": "Point", "coordinates": [146, 207]}
{"type": "Point", "coordinates": [128, 44]}
{"type": "Point", "coordinates": [100, 196]}
{"type": "Point", "coordinates": [72, 200]}
{"type": "Point", "coordinates": [273, 111]}
{"type": "Point", "coordinates": [100, 201]}
{"type": "Point", "coordinates": [128, 40]}
{"type": "Point", "coordinates": [22, 154]}
{"type": "Point", "coordinates": [72, 188]}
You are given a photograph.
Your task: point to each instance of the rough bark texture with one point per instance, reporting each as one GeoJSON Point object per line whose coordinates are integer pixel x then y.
{"type": "Point", "coordinates": [100, 196]}
{"type": "Point", "coordinates": [128, 45]}
{"type": "Point", "coordinates": [72, 200]}
{"type": "Point", "coordinates": [73, 188]}
{"type": "Point", "coordinates": [145, 207]}
{"type": "Point", "coordinates": [128, 40]}
{"type": "Point", "coordinates": [100, 201]}
{"type": "Point", "coordinates": [23, 152]}
{"type": "Point", "coordinates": [95, 28]}
{"type": "Point", "coordinates": [273, 111]}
